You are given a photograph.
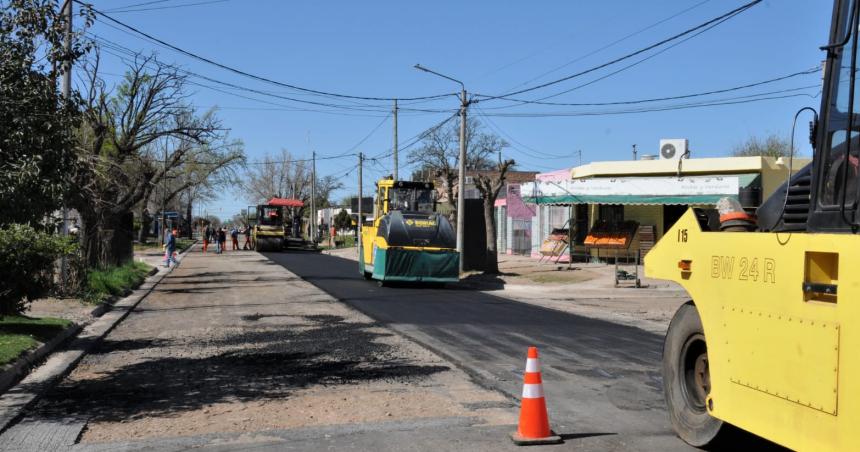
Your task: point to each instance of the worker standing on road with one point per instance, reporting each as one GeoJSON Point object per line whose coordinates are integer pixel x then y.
{"type": "Point", "coordinates": [222, 240]}
{"type": "Point", "coordinates": [247, 245]}
{"type": "Point", "coordinates": [234, 235]}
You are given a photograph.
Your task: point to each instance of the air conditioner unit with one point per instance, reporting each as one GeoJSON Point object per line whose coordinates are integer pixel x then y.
{"type": "Point", "coordinates": [674, 149]}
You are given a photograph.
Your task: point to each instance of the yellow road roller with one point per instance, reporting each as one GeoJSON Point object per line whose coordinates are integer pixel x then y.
{"type": "Point", "coordinates": [769, 342]}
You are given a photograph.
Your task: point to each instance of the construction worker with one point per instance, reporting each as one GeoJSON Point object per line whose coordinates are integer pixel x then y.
{"type": "Point", "coordinates": [234, 236]}
{"type": "Point", "coordinates": [207, 236]}
{"type": "Point", "coordinates": [247, 245]}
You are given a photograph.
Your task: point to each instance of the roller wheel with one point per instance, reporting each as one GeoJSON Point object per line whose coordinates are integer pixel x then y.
{"type": "Point", "coordinates": [686, 379]}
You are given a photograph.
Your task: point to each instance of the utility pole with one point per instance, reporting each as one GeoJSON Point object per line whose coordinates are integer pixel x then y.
{"type": "Point", "coordinates": [313, 231]}
{"type": "Point", "coordinates": [360, 195]}
{"type": "Point", "coordinates": [66, 90]}
{"type": "Point", "coordinates": [395, 141]}
{"type": "Point", "coordinates": [461, 184]}
{"type": "Point", "coordinates": [634, 152]}
{"type": "Point", "coordinates": [163, 197]}
{"type": "Point", "coordinates": [580, 156]}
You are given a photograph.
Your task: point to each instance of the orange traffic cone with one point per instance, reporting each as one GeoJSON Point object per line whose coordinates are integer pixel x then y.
{"type": "Point", "coordinates": [534, 422]}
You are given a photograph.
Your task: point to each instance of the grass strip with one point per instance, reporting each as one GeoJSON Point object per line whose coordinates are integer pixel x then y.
{"type": "Point", "coordinates": [19, 334]}
{"type": "Point", "coordinates": [114, 281]}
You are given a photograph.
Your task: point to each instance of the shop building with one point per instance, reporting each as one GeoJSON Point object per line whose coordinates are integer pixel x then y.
{"type": "Point", "coordinates": [621, 208]}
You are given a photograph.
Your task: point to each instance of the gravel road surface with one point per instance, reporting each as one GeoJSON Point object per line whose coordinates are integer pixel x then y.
{"type": "Point", "coordinates": [235, 345]}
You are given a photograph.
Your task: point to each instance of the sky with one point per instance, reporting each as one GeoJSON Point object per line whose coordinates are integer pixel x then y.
{"type": "Point", "coordinates": [369, 48]}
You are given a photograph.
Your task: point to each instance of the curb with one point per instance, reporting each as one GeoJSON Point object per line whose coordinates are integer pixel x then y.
{"type": "Point", "coordinates": [10, 376]}
{"type": "Point", "coordinates": [58, 365]}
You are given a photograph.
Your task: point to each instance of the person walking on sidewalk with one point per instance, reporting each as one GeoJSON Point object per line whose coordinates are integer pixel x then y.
{"type": "Point", "coordinates": [247, 245]}
{"type": "Point", "coordinates": [234, 235]}
{"type": "Point", "coordinates": [207, 236]}
{"type": "Point", "coordinates": [169, 248]}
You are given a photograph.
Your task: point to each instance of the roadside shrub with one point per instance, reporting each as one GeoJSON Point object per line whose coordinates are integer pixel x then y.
{"type": "Point", "coordinates": [27, 259]}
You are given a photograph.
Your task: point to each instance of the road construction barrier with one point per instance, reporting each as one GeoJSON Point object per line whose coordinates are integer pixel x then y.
{"type": "Point", "coordinates": [534, 422]}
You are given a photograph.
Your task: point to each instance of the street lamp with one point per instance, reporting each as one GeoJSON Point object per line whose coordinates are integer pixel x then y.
{"type": "Point", "coordinates": [461, 177]}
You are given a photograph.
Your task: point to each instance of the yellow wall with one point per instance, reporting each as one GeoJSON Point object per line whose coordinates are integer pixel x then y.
{"type": "Point", "coordinates": [646, 215]}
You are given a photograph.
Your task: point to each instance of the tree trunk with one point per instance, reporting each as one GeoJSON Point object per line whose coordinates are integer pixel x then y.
{"type": "Point", "coordinates": [145, 221]}
{"type": "Point", "coordinates": [90, 242]}
{"type": "Point", "coordinates": [107, 242]}
{"type": "Point", "coordinates": [189, 219]}
{"type": "Point", "coordinates": [492, 265]}
{"type": "Point", "coordinates": [143, 232]}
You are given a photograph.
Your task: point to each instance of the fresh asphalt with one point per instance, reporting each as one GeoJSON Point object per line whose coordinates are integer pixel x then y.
{"type": "Point", "coordinates": [601, 379]}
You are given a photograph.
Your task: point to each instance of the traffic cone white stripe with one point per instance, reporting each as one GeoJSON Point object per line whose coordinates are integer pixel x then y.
{"type": "Point", "coordinates": [532, 365]}
{"type": "Point", "coordinates": [533, 391]}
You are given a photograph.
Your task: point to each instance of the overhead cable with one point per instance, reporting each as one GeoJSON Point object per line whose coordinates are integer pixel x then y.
{"type": "Point", "coordinates": [247, 74]}
{"type": "Point", "coordinates": [718, 19]}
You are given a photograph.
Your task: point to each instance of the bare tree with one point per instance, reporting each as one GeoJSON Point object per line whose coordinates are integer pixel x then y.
{"type": "Point", "coordinates": [440, 153]}
{"type": "Point", "coordinates": [489, 184]}
{"type": "Point", "coordinates": [772, 145]}
{"type": "Point", "coordinates": [132, 138]}
{"type": "Point", "coordinates": [284, 176]}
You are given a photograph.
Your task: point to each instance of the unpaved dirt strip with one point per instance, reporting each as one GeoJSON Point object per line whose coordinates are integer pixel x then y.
{"type": "Point", "coordinates": [234, 343]}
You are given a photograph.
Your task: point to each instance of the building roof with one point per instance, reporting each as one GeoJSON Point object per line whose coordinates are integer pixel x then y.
{"type": "Point", "coordinates": [511, 177]}
{"type": "Point", "coordinates": [713, 165]}
{"type": "Point", "coordinates": [285, 202]}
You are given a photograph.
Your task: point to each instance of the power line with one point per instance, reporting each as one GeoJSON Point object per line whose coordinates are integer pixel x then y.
{"type": "Point", "coordinates": [131, 53]}
{"type": "Point", "coordinates": [136, 53]}
{"type": "Point", "coordinates": [415, 139]}
{"type": "Point", "coordinates": [130, 9]}
{"type": "Point", "coordinates": [636, 63]}
{"type": "Point", "coordinates": [410, 111]}
{"type": "Point", "coordinates": [714, 21]}
{"type": "Point", "coordinates": [646, 110]}
{"type": "Point", "coordinates": [107, 44]}
{"type": "Point", "coordinates": [370, 134]}
{"type": "Point", "coordinates": [598, 50]}
{"type": "Point", "coordinates": [249, 75]}
{"type": "Point", "coordinates": [495, 126]}
{"type": "Point", "coordinates": [657, 99]}
{"type": "Point", "coordinates": [140, 4]}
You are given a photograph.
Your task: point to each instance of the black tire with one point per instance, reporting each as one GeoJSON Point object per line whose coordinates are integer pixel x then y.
{"type": "Point", "coordinates": [686, 379]}
{"type": "Point", "coordinates": [367, 275]}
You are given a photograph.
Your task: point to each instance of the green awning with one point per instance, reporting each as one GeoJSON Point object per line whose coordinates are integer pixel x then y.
{"type": "Point", "coordinates": [627, 199]}
{"type": "Point", "coordinates": [749, 180]}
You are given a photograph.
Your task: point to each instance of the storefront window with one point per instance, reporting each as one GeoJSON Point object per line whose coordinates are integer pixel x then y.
{"type": "Point", "coordinates": [611, 213]}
